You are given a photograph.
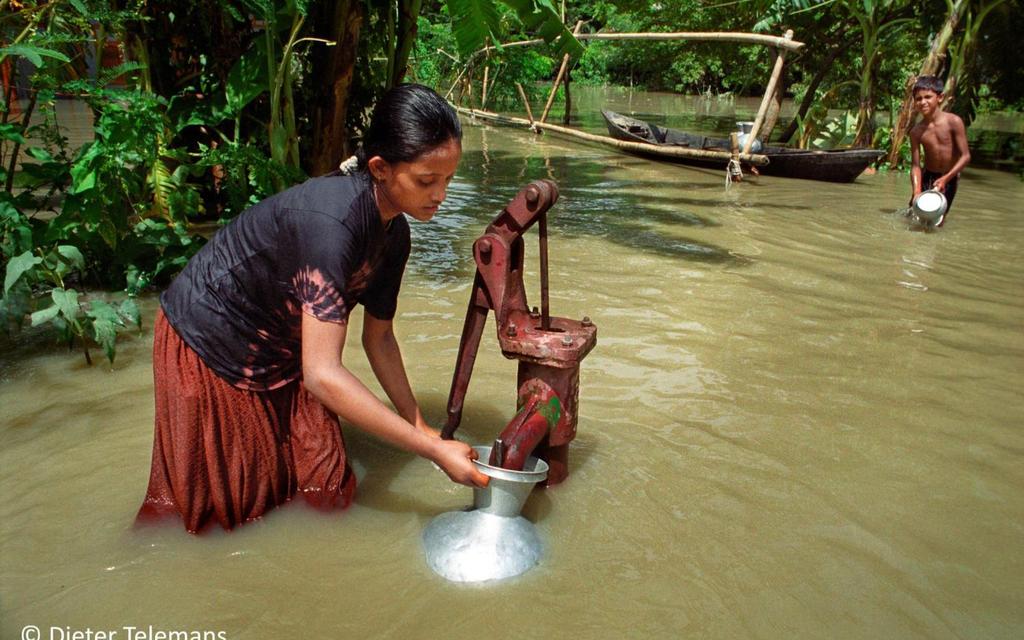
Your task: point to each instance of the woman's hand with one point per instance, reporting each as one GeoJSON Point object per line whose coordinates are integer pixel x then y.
{"type": "Point", "coordinates": [456, 459]}
{"type": "Point", "coordinates": [343, 393]}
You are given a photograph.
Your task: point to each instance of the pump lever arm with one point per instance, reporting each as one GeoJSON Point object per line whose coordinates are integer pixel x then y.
{"type": "Point", "coordinates": [472, 330]}
{"type": "Point", "coordinates": [498, 282]}
{"type": "Point", "coordinates": [524, 210]}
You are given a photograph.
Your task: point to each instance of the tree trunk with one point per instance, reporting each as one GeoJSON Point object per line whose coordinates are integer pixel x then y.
{"type": "Point", "coordinates": [10, 88]}
{"type": "Point", "coordinates": [866, 105]}
{"type": "Point", "coordinates": [963, 83]}
{"type": "Point", "coordinates": [26, 118]}
{"type": "Point", "coordinates": [333, 73]}
{"type": "Point", "coordinates": [931, 66]}
{"type": "Point", "coordinates": [812, 90]}
{"type": "Point", "coordinates": [408, 16]}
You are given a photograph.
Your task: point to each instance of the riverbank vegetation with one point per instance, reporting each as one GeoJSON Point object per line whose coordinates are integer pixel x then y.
{"type": "Point", "coordinates": [200, 109]}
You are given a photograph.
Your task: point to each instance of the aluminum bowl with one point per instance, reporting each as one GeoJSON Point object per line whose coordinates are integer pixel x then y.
{"type": "Point", "coordinates": [930, 206]}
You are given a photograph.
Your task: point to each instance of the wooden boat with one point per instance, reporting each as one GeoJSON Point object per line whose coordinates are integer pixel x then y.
{"type": "Point", "coordinates": [837, 165]}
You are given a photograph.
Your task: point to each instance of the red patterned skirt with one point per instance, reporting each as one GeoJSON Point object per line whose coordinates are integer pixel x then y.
{"type": "Point", "coordinates": [228, 455]}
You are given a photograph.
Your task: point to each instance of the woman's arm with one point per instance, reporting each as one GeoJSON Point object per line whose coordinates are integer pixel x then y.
{"type": "Point", "coordinates": [341, 392]}
{"type": "Point", "coordinates": [385, 358]}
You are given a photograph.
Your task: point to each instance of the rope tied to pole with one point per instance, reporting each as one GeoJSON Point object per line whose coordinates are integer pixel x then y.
{"type": "Point", "coordinates": [733, 172]}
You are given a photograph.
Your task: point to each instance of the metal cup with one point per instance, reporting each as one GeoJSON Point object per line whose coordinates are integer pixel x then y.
{"type": "Point", "coordinates": [508, 490]}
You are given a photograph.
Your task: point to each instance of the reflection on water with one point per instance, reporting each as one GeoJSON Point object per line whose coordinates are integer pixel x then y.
{"type": "Point", "coordinates": [592, 204]}
{"type": "Point", "coordinates": [801, 420]}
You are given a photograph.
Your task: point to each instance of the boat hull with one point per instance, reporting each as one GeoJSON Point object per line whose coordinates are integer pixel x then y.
{"type": "Point", "coordinates": [839, 165]}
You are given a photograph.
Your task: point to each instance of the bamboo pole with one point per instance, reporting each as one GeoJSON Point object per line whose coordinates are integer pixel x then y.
{"type": "Point", "coordinates": [558, 78]}
{"type": "Point", "coordinates": [696, 36]}
{"type": "Point", "coordinates": [494, 79]}
{"type": "Point", "coordinates": [712, 36]}
{"type": "Point", "coordinates": [451, 90]}
{"type": "Point", "coordinates": [526, 103]}
{"type": "Point", "coordinates": [780, 60]}
{"type": "Point", "coordinates": [668, 152]}
{"type": "Point", "coordinates": [771, 116]}
{"type": "Point", "coordinates": [568, 97]}
{"type": "Point", "coordinates": [483, 89]}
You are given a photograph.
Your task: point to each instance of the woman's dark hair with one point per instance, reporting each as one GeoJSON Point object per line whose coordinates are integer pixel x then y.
{"type": "Point", "coordinates": [408, 121]}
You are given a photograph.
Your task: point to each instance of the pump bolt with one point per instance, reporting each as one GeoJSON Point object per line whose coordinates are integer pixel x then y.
{"type": "Point", "coordinates": [511, 332]}
{"type": "Point", "coordinates": [485, 246]}
{"type": "Point", "coordinates": [532, 195]}
{"type": "Point", "coordinates": [567, 341]}
{"type": "Point", "coordinates": [535, 312]}
{"type": "Point", "coordinates": [586, 321]}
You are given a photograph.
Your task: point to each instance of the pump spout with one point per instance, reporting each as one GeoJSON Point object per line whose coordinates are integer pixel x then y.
{"type": "Point", "coordinates": [540, 411]}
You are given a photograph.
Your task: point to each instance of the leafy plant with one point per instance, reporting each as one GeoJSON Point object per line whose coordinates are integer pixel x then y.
{"type": "Point", "coordinates": [837, 132]}
{"type": "Point", "coordinates": [476, 21]}
{"type": "Point", "coordinates": [35, 284]}
{"type": "Point", "coordinates": [111, 214]}
{"type": "Point", "coordinates": [817, 115]}
{"type": "Point", "coordinates": [433, 58]}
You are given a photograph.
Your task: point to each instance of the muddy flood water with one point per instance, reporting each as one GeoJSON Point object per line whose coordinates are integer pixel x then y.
{"type": "Point", "coordinates": [801, 420]}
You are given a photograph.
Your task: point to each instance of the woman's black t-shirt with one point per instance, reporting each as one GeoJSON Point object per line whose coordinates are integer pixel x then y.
{"type": "Point", "coordinates": [317, 248]}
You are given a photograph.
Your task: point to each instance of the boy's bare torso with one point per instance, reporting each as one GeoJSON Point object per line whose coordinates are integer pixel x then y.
{"type": "Point", "coordinates": [939, 140]}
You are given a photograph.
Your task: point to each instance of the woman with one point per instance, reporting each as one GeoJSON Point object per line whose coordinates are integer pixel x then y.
{"type": "Point", "coordinates": [247, 354]}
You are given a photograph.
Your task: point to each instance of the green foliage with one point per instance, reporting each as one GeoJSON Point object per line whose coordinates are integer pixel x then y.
{"type": "Point", "coordinates": [246, 174]}
{"type": "Point", "coordinates": [82, 245]}
{"type": "Point", "coordinates": [837, 132]}
{"type": "Point", "coordinates": [127, 175]}
{"type": "Point", "coordinates": [433, 55]}
{"type": "Point", "coordinates": [473, 22]}
{"type": "Point", "coordinates": [436, 62]}
{"type": "Point", "coordinates": [116, 212]}
{"type": "Point", "coordinates": [110, 214]}
{"type": "Point", "coordinates": [74, 318]}
{"type": "Point", "coordinates": [476, 21]}
{"type": "Point", "coordinates": [682, 66]}
{"type": "Point", "coordinates": [817, 117]}
{"type": "Point", "coordinates": [523, 65]}
{"type": "Point", "coordinates": [593, 67]}
{"type": "Point", "coordinates": [997, 59]}
{"type": "Point", "coordinates": [883, 140]}
{"type": "Point", "coordinates": [32, 53]}
{"type": "Point", "coordinates": [187, 132]}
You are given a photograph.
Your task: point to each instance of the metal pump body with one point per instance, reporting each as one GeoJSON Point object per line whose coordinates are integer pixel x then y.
{"type": "Point", "coordinates": [549, 349]}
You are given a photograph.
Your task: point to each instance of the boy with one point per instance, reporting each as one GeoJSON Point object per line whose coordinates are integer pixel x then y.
{"type": "Point", "coordinates": [945, 144]}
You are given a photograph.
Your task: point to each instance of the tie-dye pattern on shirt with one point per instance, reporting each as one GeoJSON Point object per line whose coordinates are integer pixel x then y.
{"type": "Point", "coordinates": [317, 249]}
